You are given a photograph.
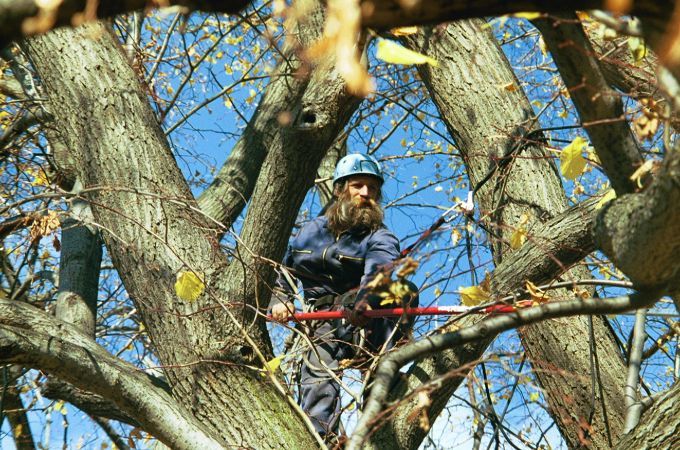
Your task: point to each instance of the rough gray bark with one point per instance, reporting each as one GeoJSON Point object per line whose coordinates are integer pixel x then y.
{"type": "Point", "coordinates": [152, 234]}
{"type": "Point", "coordinates": [659, 426]}
{"type": "Point", "coordinates": [486, 121]}
{"type": "Point", "coordinates": [646, 227]}
{"type": "Point", "coordinates": [327, 168]}
{"type": "Point", "coordinates": [32, 338]}
{"type": "Point", "coordinates": [10, 87]}
{"type": "Point", "coordinates": [79, 268]}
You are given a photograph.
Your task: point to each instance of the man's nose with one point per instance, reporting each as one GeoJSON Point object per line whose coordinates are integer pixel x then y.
{"type": "Point", "coordinates": [363, 191]}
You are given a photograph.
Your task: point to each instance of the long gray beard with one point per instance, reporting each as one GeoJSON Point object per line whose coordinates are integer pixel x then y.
{"type": "Point", "coordinates": [345, 214]}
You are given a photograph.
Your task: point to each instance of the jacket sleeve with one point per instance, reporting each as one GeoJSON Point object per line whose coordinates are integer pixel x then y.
{"type": "Point", "coordinates": [283, 291]}
{"type": "Point", "coordinates": [383, 248]}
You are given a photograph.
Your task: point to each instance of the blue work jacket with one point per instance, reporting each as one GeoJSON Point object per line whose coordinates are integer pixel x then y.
{"type": "Point", "coordinates": [329, 266]}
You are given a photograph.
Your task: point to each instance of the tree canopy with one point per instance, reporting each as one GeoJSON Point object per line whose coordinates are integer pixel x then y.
{"type": "Point", "coordinates": [154, 163]}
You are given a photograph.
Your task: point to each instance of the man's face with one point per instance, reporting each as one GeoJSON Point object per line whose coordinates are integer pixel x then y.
{"type": "Point", "coordinates": [363, 189]}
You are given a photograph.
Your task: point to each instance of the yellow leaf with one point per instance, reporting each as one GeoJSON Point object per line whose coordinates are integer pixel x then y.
{"type": "Point", "coordinates": [592, 156]}
{"type": "Point", "coordinates": [520, 235]}
{"type": "Point", "coordinates": [537, 294]}
{"type": "Point", "coordinates": [391, 52]}
{"type": "Point", "coordinates": [646, 126]}
{"type": "Point", "coordinates": [404, 31]}
{"type": "Point", "coordinates": [572, 161]}
{"type": "Point", "coordinates": [455, 236]}
{"type": "Point", "coordinates": [527, 15]}
{"type": "Point", "coordinates": [641, 172]}
{"type": "Point", "coordinates": [39, 177]}
{"type": "Point", "coordinates": [387, 301]}
{"type": "Point", "coordinates": [534, 396]}
{"type": "Point", "coordinates": [44, 226]}
{"type": "Point", "coordinates": [637, 48]}
{"type": "Point", "coordinates": [606, 198]}
{"type": "Point", "coordinates": [189, 286]}
{"type": "Point", "coordinates": [60, 407]}
{"type": "Point", "coordinates": [518, 238]}
{"type": "Point", "coordinates": [273, 364]}
{"type": "Point", "coordinates": [542, 46]}
{"type": "Point", "coordinates": [473, 295]}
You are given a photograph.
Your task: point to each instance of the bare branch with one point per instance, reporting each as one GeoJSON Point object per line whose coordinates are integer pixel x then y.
{"type": "Point", "coordinates": [489, 327]}
{"type": "Point", "coordinates": [111, 433]}
{"type": "Point", "coordinates": [12, 407]}
{"type": "Point", "coordinates": [30, 337]}
{"type": "Point", "coordinates": [600, 107]}
{"type": "Point", "coordinates": [92, 404]}
{"type": "Point", "coordinates": [644, 227]}
{"type": "Point", "coordinates": [633, 405]}
{"type": "Point", "coordinates": [20, 18]}
{"type": "Point", "coordinates": [658, 427]}
{"type": "Point", "coordinates": [10, 87]}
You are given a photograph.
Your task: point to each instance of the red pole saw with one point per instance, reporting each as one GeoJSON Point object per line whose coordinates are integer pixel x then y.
{"type": "Point", "coordinates": [399, 312]}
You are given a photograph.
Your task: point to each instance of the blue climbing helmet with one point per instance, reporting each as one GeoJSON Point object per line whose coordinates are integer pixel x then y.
{"type": "Point", "coordinates": [358, 164]}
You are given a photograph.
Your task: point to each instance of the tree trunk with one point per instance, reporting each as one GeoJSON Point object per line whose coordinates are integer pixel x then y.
{"type": "Point", "coordinates": [153, 231]}
{"type": "Point", "coordinates": [486, 120]}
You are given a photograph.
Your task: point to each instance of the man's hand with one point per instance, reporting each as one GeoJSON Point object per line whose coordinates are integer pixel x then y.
{"type": "Point", "coordinates": [356, 316]}
{"type": "Point", "coordinates": [281, 312]}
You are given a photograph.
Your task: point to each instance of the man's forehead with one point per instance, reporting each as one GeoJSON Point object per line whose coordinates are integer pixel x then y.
{"type": "Point", "coordinates": [364, 179]}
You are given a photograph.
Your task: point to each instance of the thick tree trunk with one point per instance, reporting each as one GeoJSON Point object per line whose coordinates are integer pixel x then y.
{"type": "Point", "coordinates": [153, 231]}
{"type": "Point", "coordinates": [486, 120]}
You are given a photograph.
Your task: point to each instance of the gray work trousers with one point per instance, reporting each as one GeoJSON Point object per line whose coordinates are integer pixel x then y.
{"type": "Point", "coordinates": [335, 341]}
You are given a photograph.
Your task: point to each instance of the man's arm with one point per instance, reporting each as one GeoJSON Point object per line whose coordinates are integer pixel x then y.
{"type": "Point", "coordinates": [383, 249]}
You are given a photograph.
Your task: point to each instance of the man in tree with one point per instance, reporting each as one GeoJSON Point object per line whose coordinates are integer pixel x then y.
{"type": "Point", "coordinates": [335, 256]}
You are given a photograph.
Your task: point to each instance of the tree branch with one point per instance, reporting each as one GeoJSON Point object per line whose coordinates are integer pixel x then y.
{"type": "Point", "coordinates": [10, 87]}
{"type": "Point", "coordinates": [20, 18]}
{"type": "Point", "coordinates": [633, 405]}
{"type": "Point", "coordinates": [30, 337]}
{"type": "Point", "coordinates": [13, 409]}
{"type": "Point", "coordinates": [486, 126]}
{"type": "Point", "coordinates": [489, 327]}
{"type": "Point", "coordinates": [551, 250]}
{"type": "Point", "coordinates": [92, 404]}
{"type": "Point", "coordinates": [600, 108]}
{"type": "Point", "coordinates": [659, 425]}
{"type": "Point", "coordinates": [644, 227]}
